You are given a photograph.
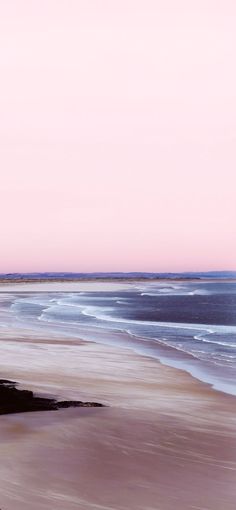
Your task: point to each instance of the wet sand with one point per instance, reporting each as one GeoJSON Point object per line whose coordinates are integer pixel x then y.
{"type": "Point", "coordinates": [165, 442]}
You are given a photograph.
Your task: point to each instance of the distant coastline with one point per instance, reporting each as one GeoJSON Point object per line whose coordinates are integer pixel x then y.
{"type": "Point", "coordinates": [115, 276]}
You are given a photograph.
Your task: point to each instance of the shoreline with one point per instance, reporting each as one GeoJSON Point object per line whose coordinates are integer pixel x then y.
{"type": "Point", "coordinates": [167, 356]}
{"type": "Point", "coordinates": [110, 282]}
{"type": "Point", "coordinates": [129, 366]}
{"type": "Point", "coordinates": [165, 359]}
{"type": "Point", "coordinates": [178, 363]}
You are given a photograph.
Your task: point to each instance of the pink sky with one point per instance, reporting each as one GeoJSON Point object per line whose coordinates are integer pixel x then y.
{"type": "Point", "coordinates": [118, 135]}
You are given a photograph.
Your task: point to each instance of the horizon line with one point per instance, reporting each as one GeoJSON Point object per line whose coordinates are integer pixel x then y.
{"type": "Point", "coordinates": [117, 272]}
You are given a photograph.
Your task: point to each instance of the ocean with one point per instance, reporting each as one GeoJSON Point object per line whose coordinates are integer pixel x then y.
{"type": "Point", "coordinates": [190, 325]}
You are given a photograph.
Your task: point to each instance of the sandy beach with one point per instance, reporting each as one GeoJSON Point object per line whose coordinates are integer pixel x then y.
{"type": "Point", "coordinates": [165, 441]}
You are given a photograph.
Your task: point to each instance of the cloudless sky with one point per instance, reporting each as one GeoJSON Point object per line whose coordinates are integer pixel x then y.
{"type": "Point", "coordinates": [117, 135]}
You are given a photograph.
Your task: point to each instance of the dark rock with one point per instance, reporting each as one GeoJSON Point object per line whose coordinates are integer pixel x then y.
{"type": "Point", "coordinates": [13, 400]}
{"type": "Point", "coordinates": [72, 403]}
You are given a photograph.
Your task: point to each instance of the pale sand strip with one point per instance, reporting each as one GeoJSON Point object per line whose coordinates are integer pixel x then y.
{"type": "Point", "coordinates": [47, 286]}
{"type": "Point", "coordinates": [167, 442]}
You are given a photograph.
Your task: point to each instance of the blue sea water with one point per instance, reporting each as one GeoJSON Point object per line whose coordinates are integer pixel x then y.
{"type": "Point", "coordinates": [186, 324]}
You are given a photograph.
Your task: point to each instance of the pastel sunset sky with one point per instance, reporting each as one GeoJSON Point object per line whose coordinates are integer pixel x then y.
{"type": "Point", "coordinates": [117, 135]}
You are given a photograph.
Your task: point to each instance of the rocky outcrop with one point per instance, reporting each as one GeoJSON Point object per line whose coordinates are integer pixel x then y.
{"type": "Point", "coordinates": [14, 400]}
